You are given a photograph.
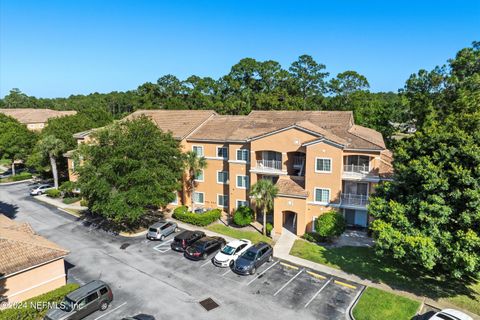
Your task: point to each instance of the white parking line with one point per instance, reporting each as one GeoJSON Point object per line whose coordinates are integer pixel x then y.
{"type": "Point", "coordinates": [103, 315]}
{"type": "Point", "coordinates": [318, 292]}
{"type": "Point", "coordinates": [263, 272]}
{"type": "Point", "coordinates": [227, 272]}
{"type": "Point", "coordinates": [163, 247]}
{"type": "Point", "coordinates": [203, 265]}
{"type": "Point", "coordinates": [286, 284]}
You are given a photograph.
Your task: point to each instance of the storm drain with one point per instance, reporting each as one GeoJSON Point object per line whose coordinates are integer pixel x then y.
{"type": "Point", "coordinates": [124, 246]}
{"type": "Point", "coordinates": [208, 304]}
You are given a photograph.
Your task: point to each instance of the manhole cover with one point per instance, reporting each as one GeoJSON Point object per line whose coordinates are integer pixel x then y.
{"type": "Point", "coordinates": [124, 246]}
{"type": "Point", "coordinates": [208, 304]}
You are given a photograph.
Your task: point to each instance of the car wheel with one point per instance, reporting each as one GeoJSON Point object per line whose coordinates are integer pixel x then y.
{"type": "Point", "coordinates": [270, 258]}
{"type": "Point", "coordinates": [252, 272]}
{"type": "Point", "coordinates": [39, 193]}
{"type": "Point", "coordinates": [104, 306]}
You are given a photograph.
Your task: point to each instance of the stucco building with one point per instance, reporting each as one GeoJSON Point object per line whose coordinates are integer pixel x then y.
{"type": "Point", "coordinates": [35, 119]}
{"type": "Point", "coordinates": [30, 265]}
{"type": "Point", "coordinates": [318, 159]}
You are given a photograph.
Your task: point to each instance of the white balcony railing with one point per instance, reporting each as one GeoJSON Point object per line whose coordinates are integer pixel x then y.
{"type": "Point", "coordinates": [298, 161]}
{"type": "Point", "coordinates": [269, 165]}
{"type": "Point", "coordinates": [362, 169]}
{"type": "Point", "coordinates": [350, 199]}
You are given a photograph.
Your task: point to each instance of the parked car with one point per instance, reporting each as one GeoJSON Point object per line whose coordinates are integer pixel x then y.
{"type": "Point", "coordinates": [140, 317]}
{"type": "Point", "coordinates": [227, 256]}
{"type": "Point", "coordinates": [450, 314]}
{"type": "Point", "coordinates": [93, 296]}
{"type": "Point", "coordinates": [249, 261]}
{"type": "Point", "coordinates": [41, 189]}
{"type": "Point", "coordinates": [204, 247]}
{"type": "Point", "coordinates": [161, 230]}
{"type": "Point", "coordinates": [186, 239]}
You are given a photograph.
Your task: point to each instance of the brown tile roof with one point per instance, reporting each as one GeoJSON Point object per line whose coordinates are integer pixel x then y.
{"type": "Point", "coordinates": [179, 122]}
{"type": "Point", "coordinates": [385, 170]}
{"type": "Point", "coordinates": [292, 186]}
{"type": "Point", "coordinates": [336, 126]}
{"type": "Point", "coordinates": [29, 115]}
{"type": "Point", "coordinates": [21, 248]}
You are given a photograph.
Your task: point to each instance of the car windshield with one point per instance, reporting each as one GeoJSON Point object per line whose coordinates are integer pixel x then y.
{"type": "Point", "coordinates": [152, 230]}
{"type": "Point", "coordinates": [228, 250]}
{"type": "Point", "coordinates": [67, 305]}
{"type": "Point", "coordinates": [249, 255]}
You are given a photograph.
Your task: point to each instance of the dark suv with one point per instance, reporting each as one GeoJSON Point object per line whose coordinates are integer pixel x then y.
{"type": "Point", "coordinates": [253, 258]}
{"type": "Point", "coordinates": [95, 295]}
{"type": "Point", "coordinates": [186, 239]}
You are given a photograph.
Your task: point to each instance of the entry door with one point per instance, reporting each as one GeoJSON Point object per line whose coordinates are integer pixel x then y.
{"type": "Point", "coordinates": [350, 217]}
{"type": "Point", "coordinates": [361, 218]}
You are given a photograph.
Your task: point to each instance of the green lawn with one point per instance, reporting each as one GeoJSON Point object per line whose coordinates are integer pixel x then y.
{"type": "Point", "coordinates": [378, 304]}
{"type": "Point", "coordinates": [363, 262]}
{"type": "Point", "coordinates": [253, 236]}
{"type": "Point", "coordinates": [18, 177]}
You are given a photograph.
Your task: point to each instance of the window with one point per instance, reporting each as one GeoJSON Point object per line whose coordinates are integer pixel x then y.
{"type": "Point", "coordinates": [222, 200]}
{"type": "Point", "coordinates": [242, 154]}
{"type": "Point", "coordinates": [222, 177]}
{"type": "Point", "coordinates": [103, 291]}
{"type": "Point", "coordinates": [242, 182]}
{"type": "Point", "coordinates": [323, 165]}
{"type": "Point", "coordinates": [199, 176]}
{"type": "Point", "coordinates": [242, 203]}
{"type": "Point", "coordinates": [222, 152]}
{"type": "Point", "coordinates": [198, 197]}
{"type": "Point", "coordinates": [322, 195]}
{"type": "Point", "coordinates": [91, 297]}
{"type": "Point", "coordinates": [198, 150]}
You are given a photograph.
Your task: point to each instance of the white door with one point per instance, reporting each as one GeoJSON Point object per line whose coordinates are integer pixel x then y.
{"type": "Point", "coordinates": [361, 218]}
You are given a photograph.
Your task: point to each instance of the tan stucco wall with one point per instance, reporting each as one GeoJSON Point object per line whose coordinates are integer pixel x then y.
{"type": "Point", "coordinates": [34, 282]}
{"type": "Point", "coordinates": [71, 175]}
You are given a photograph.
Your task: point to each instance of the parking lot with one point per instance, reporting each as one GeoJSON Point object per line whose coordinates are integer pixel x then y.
{"type": "Point", "coordinates": [148, 277]}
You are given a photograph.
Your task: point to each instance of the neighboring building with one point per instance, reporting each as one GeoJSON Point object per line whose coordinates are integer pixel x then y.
{"type": "Point", "coordinates": [30, 265]}
{"type": "Point", "coordinates": [35, 119]}
{"type": "Point", "coordinates": [318, 159]}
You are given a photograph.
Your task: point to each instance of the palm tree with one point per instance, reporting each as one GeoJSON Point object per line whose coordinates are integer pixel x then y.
{"type": "Point", "coordinates": [194, 165]}
{"type": "Point", "coordinates": [52, 148]}
{"type": "Point", "coordinates": [264, 192]}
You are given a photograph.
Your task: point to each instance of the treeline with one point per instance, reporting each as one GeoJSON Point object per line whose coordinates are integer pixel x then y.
{"type": "Point", "coordinates": [250, 85]}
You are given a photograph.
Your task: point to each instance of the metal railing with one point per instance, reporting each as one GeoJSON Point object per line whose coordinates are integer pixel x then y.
{"type": "Point", "coordinates": [354, 199]}
{"type": "Point", "coordinates": [364, 169]}
{"type": "Point", "coordinates": [273, 165]}
{"type": "Point", "coordinates": [298, 161]}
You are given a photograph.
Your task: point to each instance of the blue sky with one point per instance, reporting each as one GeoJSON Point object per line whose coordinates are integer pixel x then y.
{"type": "Point", "coordinates": [58, 48]}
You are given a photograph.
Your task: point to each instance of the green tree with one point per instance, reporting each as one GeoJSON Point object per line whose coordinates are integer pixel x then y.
{"type": "Point", "coordinates": [16, 141]}
{"type": "Point", "coordinates": [308, 77]}
{"type": "Point", "coordinates": [131, 167]}
{"type": "Point", "coordinates": [51, 147]}
{"type": "Point", "coordinates": [194, 164]}
{"type": "Point", "coordinates": [330, 224]}
{"type": "Point", "coordinates": [264, 192]}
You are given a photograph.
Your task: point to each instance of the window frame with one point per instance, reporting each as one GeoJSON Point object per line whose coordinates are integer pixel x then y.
{"type": "Point", "coordinates": [247, 181]}
{"type": "Point", "coordinates": [221, 182]}
{"type": "Point", "coordinates": [236, 203]}
{"type": "Point", "coordinates": [201, 147]}
{"type": "Point", "coordinates": [203, 196]}
{"type": "Point", "coordinates": [221, 147]}
{"type": "Point", "coordinates": [323, 171]}
{"type": "Point", "coordinates": [242, 150]}
{"type": "Point", "coordinates": [225, 205]}
{"type": "Point", "coordinates": [203, 177]}
{"type": "Point", "coordinates": [315, 195]}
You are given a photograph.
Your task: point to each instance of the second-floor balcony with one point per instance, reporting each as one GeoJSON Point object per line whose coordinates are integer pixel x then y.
{"type": "Point", "coordinates": [269, 165]}
{"type": "Point", "coordinates": [353, 200]}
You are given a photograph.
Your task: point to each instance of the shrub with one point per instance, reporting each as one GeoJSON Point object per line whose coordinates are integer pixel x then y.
{"type": "Point", "coordinates": [84, 203]}
{"type": "Point", "coordinates": [313, 237]}
{"type": "Point", "coordinates": [243, 216]}
{"type": "Point", "coordinates": [330, 224]}
{"type": "Point", "coordinates": [18, 177]}
{"type": "Point", "coordinates": [67, 188]}
{"type": "Point", "coordinates": [37, 307]}
{"type": "Point", "coordinates": [53, 193]}
{"type": "Point", "coordinates": [198, 219]}
{"type": "Point", "coordinates": [269, 229]}
{"type": "Point", "coordinates": [70, 200]}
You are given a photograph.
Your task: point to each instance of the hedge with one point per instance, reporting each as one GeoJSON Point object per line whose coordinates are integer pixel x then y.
{"type": "Point", "coordinates": [53, 193]}
{"type": "Point", "coordinates": [70, 200]}
{"type": "Point", "coordinates": [18, 177]}
{"type": "Point", "coordinates": [197, 219]}
{"type": "Point", "coordinates": [330, 224]}
{"type": "Point", "coordinates": [243, 216]}
{"type": "Point", "coordinates": [36, 308]}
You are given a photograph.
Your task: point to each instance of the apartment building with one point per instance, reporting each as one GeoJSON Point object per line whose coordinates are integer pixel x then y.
{"type": "Point", "coordinates": [35, 119]}
{"type": "Point", "coordinates": [319, 160]}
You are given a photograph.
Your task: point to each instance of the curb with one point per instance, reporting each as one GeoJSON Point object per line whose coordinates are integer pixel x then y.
{"type": "Point", "coordinates": [15, 182]}
{"type": "Point", "coordinates": [353, 304]}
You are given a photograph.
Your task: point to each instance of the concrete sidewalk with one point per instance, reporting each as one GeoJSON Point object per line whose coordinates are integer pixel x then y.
{"type": "Point", "coordinates": [58, 203]}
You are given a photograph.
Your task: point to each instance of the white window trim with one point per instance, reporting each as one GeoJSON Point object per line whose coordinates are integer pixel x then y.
{"type": "Point", "coordinates": [236, 203]}
{"type": "Point", "coordinates": [228, 178]}
{"type": "Point", "coordinates": [315, 195]}
{"type": "Point", "coordinates": [323, 158]}
{"type": "Point", "coordinates": [218, 200]}
{"type": "Point", "coordinates": [242, 161]}
{"type": "Point", "coordinates": [203, 177]}
{"type": "Point", "coordinates": [221, 147]}
{"type": "Point", "coordinates": [247, 182]}
{"type": "Point", "coordinates": [202, 197]}
{"type": "Point", "coordinates": [198, 146]}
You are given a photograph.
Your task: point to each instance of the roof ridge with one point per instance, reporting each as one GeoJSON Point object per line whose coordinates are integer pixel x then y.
{"type": "Point", "coordinates": [363, 138]}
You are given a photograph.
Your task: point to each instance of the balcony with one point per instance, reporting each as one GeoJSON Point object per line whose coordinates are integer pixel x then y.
{"type": "Point", "coordinates": [268, 167]}
{"type": "Point", "coordinates": [358, 172]}
{"type": "Point", "coordinates": [353, 200]}
{"type": "Point", "coordinates": [298, 162]}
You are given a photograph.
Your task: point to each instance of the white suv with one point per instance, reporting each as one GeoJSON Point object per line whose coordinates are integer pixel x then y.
{"type": "Point", "coordinates": [450, 314]}
{"type": "Point", "coordinates": [231, 252]}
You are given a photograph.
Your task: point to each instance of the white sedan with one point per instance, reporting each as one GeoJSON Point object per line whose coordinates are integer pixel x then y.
{"type": "Point", "coordinates": [231, 252]}
{"type": "Point", "coordinates": [450, 314]}
{"type": "Point", "coordinates": [41, 189]}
